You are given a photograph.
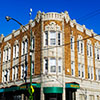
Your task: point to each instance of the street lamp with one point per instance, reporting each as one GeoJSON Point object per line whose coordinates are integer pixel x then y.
{"type": "Point", "coordinates": [31, 88]}
{"type": "Point", "coordinates": [9, 18]}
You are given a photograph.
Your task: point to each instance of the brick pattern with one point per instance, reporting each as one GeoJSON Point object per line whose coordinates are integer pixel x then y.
{"type": "Point", "coordinates": [67, 32]}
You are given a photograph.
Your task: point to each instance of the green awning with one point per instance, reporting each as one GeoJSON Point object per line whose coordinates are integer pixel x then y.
{"type": "Point", "coordinates": [11, 89]}
{"type": "Point", "coordinates": [53, 90]}
{"type": "Point", "coordinates": [73, 85]}
{"type": "Point", "coordinates": [22, 87]}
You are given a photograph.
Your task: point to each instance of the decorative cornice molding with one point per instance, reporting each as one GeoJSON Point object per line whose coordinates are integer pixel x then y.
{"type": "Point", "coordinates": [52, 27]}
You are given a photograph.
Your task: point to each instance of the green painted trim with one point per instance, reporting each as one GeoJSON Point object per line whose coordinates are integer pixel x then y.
{"type": "Point", "coordinates": [53, 90]}
{"type": "Point", "coordinates": [11, 89]}
{"type": "Point", "coordinates": [37, 85]}
{"type": "Point", "coordinates": [72, 85]}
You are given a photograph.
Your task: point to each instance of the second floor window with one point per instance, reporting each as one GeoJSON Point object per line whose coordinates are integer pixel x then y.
{"type": "Point", "coordinates": [52, 38]}
{"type": "Point", "coordinates": [15, 51]}
{"type": "Point", "coordinates": [72, 68]}
{"type": "Point", "coordinates": [52, 65]}
{"type": "Point", "coordinates": [25, 47]}
{"type": "Point", "coordinates": [99, 74]}
{"type": "Point", "coordinates": [72, 43]}
{"type": "Point", "coordinates": [6, 54]}
{"type": "Point", "coordinates": [46, 65]}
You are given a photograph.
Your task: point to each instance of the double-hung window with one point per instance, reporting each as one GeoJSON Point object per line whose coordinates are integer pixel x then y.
{"type": "Point", "coordinates": [79, 70]}
{"type": "Point", "coordinates": [88, 72]}
{"type": "Point", "coordinates": [92, 73]}
{"type": "Point", "coordinates": [59, 37]}
{"type": "Point", "coordinates": [99, 74]}
{"type": "Point", "coordinates": [46, 38]}
{"type": "Point", "coordinates": [46, 65]}
{"type": "Point", "coordinates": [52, 65]}
{"type": "Point", "coordinates": [83, 71]}
{"type": "Point", "coordinates": [72, 43]}
{"type": "Point", "coordinates": [96, 74]}
{"type": "Point", "coordinates": [59, 65]}
{"type": "Point", "coordinates": [52, 38]}
{"type": "Point", "coordinates": [78, 45]}
{"type": "Point", "coordinates": [72, 68]}
{"type": "Point", "coordinates": [22, 71]}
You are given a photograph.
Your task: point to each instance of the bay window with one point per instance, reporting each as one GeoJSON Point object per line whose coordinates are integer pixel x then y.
{"type": "Point", "coordinates": [59, 65]}
{"type": "Point", "coordinates": [59, 37]}
{"type": "Point", "coordinates": [52, 38]}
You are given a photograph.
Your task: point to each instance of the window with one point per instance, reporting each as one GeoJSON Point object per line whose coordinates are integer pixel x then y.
{"type": "Point", "coordinates": [79, 70]}
{"type": "Point", "coordinates": [59, 65]}
{"type": "Point", "coordinates": [8, 75]}
{"type": "Point", "coordinates": [87, 49]}
{"type": "Point", "coordinates": [3, 56]}
{"type": "Point", "coordinates": [3, 76]}
{"type": "Point", "coordinates": [97, 53]}
{"type": "Point", "coordinates": [17, 50]}
{"type": "Point", "coordinates": [83, 71]}
{"type": "Point", "coordinates": [33, 68]}
{"type": "Point", "coordinates": [13, 73]}
{"type": "Point", "coordinates": [78, 45]}
{"type": "Point", "coordinates": [72, 68]}
{"type": "Point", "coordinates": [9, 57]}
{"type": "Point", "coordinates": [82, 96]}
{"type": "Point", "coordinates": [92, 73]}
{"type": "Point", "coordinates": [52, 65]}
{"type": "Point", "coordinates": [99, 74]}
{"type": "Point", "coordinates": [72, 43]}
{"type": "Point", "coordinates": [14, 51]}
{"type": "Point", "coordinates": [98, 97]}
{"type": "Point", "coordinates": [16, 72]}
{"type": "Point", "coordinates": [90, 50]}
{"type": "Point", "coordinates": [46, 65]}
{"type": "Point", "coordinates": [23, 48]}
{"type": "Point", "coordinates": [59, 37]}
{"type": "Point", "coordinates": [33, 43]}
{"type": "Point", "coordinates": [52, 38]}
{"type": "Point", "coordinates": [81, 47]}
{"type": "Point", "coordinates": [96, 74]}
{"type": "Point", "coordinates": [26, 46]}
{"type": "Point", "coordinates": [88, 72]}
{"type": "Point", "coordinates": [91, 97]}
{"type": "Point", "coordinates": [46, 38]}
{"type": "Point", "coordinates": [22, 71]}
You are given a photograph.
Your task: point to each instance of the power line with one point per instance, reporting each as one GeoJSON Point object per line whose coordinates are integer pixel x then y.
{"type": "Point", "coordinates": [87, 16]}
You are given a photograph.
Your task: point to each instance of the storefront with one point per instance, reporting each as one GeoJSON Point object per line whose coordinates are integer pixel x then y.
{"type": "Point", "coordinates": [20, 92]}
{"type": "Point", "coordinates": [53, 93]}
{"type": "Point", "coordinates": [71, 89]}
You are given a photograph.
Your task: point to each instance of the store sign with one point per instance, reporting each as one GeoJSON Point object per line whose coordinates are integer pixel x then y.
{"type": "Point", "coordinates": [72, 85]}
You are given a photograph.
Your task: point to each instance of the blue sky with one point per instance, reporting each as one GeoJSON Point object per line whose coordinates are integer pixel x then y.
{"type": "Point", "coordinates": [19, 9]}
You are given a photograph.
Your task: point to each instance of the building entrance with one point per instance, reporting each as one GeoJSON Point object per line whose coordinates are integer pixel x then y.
{"type": "Point", "coordinates": [70, 94]}
{"type": "Point", "coordinates": [53, 96]}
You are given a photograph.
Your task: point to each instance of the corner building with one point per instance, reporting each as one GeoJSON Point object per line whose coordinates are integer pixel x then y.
{"type": "Point", "coordinates": [65, 60]}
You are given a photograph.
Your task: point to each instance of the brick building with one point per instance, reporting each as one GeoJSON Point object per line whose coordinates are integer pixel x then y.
{"type": "Point", "coordinates": [65, 60]}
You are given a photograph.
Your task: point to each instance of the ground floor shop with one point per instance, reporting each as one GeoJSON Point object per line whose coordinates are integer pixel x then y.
{"type": "Point", "coordinates": [50, 93]}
